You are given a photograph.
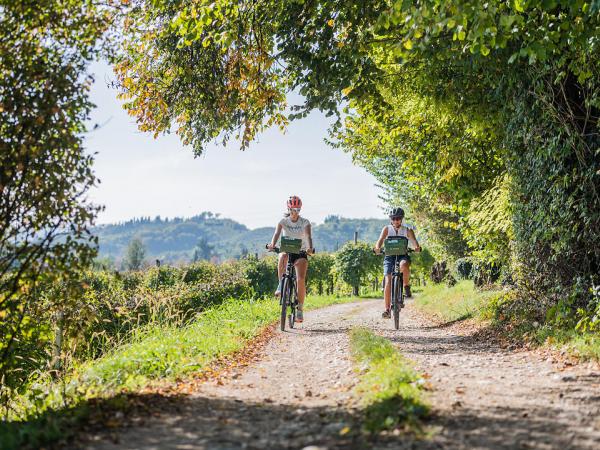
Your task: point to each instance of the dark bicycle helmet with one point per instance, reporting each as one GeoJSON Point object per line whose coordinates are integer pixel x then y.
{"type": "Point", "coordinates": [397, 212]}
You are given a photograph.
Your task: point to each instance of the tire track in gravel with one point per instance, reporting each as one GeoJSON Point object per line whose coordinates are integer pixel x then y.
{"type": "Point", "coordinates": [299, 394]}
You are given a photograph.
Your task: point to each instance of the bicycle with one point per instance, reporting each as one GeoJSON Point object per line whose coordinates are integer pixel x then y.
{"type": "Point", "coordinates": [397, 300]}
{"type": "Point", "coordinates": [289, 293]}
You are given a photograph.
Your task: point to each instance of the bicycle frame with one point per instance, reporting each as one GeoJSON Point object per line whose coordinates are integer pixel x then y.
{"type": "Point", "coordinates": [289, 294]}
{"type": "Point", "coordinates": [397, 293]}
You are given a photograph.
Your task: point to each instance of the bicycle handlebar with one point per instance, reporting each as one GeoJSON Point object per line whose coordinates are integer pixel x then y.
{"type": "Point", "coordinates": [382, 251]}
{"type": "Point", "coordinates": [277, 250]}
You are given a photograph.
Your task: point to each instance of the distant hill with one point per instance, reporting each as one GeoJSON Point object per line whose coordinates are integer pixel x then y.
{"type": "Point", "coordinates": [207, 234]}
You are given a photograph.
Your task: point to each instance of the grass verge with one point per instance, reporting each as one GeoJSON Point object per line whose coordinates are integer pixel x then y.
{"type": "Point", "coordinates": [508, 317]}
{"type": "Point", "coordinates": [157, 354]}
{"type": "Point", "coordinates": [455, 303]}
{"type": "Point", "coordinates": [392, 392]}
{"type": "Point", "coordinates": [557, 331]}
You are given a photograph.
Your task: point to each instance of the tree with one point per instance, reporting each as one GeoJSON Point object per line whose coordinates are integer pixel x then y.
{"type": "Point", "coordinates": [203, 250]}
{"type": "Point", "coordinates": [320, 272]}
{"type": "Point", "coordinates": [136, 252]}
{"type": "Point", "coordinates": [45, 173]}
{"type": "Point", "coordinates": [354, 262]}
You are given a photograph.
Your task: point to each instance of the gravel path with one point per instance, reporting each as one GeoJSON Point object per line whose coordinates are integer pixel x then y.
{"type": "Point", "coordinates": [299, 394]}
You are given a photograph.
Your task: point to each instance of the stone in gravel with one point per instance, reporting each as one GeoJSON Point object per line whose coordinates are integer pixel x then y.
{"type": "Point", "coordinates": [569, 378]}
{"type": "Point", "coordinates": [334, 427]}
{"type": "Point", "coordinates": [308, 393]}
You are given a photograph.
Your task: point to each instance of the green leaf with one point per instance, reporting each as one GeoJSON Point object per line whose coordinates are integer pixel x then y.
{"type": "Point", "coordinates": [519, 5]}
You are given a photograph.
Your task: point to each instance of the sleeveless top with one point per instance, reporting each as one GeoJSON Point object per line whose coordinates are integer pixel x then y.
{"type": "Point", "coordinates": [403, 231]}
{"type": "Point", "coordinates": [296, 229]}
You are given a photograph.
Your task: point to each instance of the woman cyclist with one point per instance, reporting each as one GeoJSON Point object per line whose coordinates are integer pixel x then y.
{"type": "Point", "coordinates": [393, 230]}
{"type": "Point", "coordinates": [298, 227]}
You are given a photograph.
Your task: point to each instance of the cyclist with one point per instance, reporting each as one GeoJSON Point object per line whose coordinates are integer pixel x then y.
{"type": "Point", "coordinates": [396, 228]}
{"type": "Point", "coordinates": [294, 226]}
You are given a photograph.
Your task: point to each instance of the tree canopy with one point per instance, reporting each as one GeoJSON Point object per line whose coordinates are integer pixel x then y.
{"type": "Point", "coordinates": [45, 174]}
{"type": "Point", "coordinates": [451, 104]}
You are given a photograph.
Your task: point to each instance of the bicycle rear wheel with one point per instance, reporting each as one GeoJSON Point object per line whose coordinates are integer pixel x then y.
{"type": "Point", "coordinates": [293, 304]}
{"type": "Point", "coordinates": [285, 298]}
{"type": "Point", "coordinates": [401, 296]}
{"type": "Point", "coordinates": [396, 292]}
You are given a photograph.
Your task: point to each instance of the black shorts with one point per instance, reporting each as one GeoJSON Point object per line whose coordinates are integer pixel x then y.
{"type": "Point", "coordinates": [293, 257]}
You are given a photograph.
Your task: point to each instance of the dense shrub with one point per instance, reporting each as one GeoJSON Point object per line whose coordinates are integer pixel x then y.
{"type": "Point", "coordinates": [103, 308]}
{"type": "Point", "coordinates": [320, 276]}
{"type": "Point", "coordinates": [355, 262]}
{"type": "Point", "coordinates": [439, 272]}
{"type": "Point", "coordinates": [485, 273]}
{"type": "Point", "coordinates": [261, 274]}
{"type": "Point", "coordinates": [464, 268]}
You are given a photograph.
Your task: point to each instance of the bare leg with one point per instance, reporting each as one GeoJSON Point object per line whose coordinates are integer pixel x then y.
{"type": "Point", "coordinates": [405, 269]}
{"type": "Point", "coordinates": [283, 259]}
{"type": "Point", "coordinates": [301, 268]}
{"type": "Point", "coordinates": [387, 291]}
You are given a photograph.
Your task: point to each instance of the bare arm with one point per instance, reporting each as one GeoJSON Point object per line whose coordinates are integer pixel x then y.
{"type": "Point", "coordinates": [382, 237]}
{"type": "Point", "coordinates": [275, 238]}
{"type": "Point", "coordinates": [308, 230]}
{"type": "Point", "coordinates": [413, 240]}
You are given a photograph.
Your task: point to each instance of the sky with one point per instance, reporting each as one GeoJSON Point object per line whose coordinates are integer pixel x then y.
{"type": "Point", "coordinates": [143, 176]}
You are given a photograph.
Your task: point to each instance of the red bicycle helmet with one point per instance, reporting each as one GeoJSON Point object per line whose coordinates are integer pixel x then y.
{"type": "Point", "coordinates": [294, 202]}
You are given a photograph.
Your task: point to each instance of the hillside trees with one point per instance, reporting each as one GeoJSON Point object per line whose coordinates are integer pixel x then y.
{"type": "Point", "coordinates": [45, 174]}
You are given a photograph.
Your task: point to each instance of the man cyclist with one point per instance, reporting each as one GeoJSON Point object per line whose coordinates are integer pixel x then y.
{"type": "Point", "coordinates": [394, 229]}
{"type": "Point", "coordinates": [294, 226]}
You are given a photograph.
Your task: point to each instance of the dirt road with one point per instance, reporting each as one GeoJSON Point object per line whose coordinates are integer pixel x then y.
{"type": "Point", "coordinates": [299, 394]}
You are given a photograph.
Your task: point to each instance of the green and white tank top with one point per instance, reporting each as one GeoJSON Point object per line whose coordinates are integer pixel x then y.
{"type": "Point", "coordinates": [402, 231]}
{"type": "Point", "coordinates": [392, 232]}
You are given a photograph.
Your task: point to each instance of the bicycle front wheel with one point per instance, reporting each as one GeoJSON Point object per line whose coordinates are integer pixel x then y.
{"type": "Point", "coordinates": [396, 292]}
{"type": "Point", "coordinates": [293, 305]}
{"type": "Point", "coordinates": [285, 298]}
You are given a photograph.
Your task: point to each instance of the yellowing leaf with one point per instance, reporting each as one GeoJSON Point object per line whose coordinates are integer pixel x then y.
{"type": "Point", "coordinates": [344, 431]}
{"type": "Point", "coordinates": [408, 44]}
{"type": "Point", "coordinates": [331, 22]}
{"type": "Point", "coordinates": [519, 5]}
